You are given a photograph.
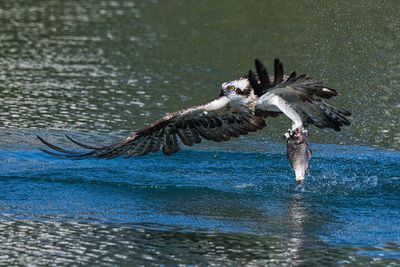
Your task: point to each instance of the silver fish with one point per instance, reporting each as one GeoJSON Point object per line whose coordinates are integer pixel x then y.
{"type": "Point", "coordinates": [298, 152]}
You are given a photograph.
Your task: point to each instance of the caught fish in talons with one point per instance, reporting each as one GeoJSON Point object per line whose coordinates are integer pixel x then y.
{"type": "Point", "coordinates": [242, 106]}
{"type": "Point", "coordinates": [298, 152]}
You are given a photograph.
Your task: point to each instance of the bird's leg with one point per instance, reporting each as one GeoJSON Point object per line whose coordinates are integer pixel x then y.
{"type": "Point", "coordinates": [297, 125]}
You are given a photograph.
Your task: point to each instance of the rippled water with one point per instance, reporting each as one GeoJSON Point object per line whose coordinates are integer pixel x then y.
{"type": "Point", "coordinates": [201, 207]}
{"type": "Point", "coordinates": [100, 69]}
{"type": "Point", "coordinates": [116, 65]}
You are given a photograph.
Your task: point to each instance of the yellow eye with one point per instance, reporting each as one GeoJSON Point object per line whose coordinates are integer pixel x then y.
{"type": "Point", "coordinates": [231, 87]}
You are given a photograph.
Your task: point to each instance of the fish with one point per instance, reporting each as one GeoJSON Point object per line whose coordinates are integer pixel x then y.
{"type": "Point", "coordinates": [298, 152]}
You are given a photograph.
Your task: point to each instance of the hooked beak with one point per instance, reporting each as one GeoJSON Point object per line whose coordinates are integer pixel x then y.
{"type": "Point", "coordinates": [221, 93]}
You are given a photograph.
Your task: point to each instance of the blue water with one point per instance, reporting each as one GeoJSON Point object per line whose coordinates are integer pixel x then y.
{"type": "Point", "coordinates": [113, 66]}
{"type": "Point", "coordinates": [209, 201]}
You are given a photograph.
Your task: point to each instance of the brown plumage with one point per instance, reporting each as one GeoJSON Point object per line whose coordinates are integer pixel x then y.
{"type": "Point", "coordinates": [242, 107]}
{"type": "Point", "coordinates": [189, 126]}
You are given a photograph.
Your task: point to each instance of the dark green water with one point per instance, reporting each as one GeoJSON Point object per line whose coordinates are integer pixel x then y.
{"type": "Point", "coordinates": [100, 69]}
{"type": "Point", "coordinates": [116, 65]}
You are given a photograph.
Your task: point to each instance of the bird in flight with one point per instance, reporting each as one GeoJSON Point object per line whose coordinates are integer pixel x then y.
{"type": "Point", "coordinates": [242, 106]}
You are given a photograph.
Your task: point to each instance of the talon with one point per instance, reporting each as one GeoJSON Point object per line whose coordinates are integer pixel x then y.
{"type": "Point", "coordinates": [286, 136]}
{"type": "Point", "coordinates": [306, 133]}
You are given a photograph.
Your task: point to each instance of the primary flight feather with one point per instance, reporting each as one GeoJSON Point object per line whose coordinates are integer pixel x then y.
{"type": "Point", "coordinates": [241, 107]}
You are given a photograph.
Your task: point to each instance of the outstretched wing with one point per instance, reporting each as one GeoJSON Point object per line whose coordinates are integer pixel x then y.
{"type": "Point", "coordinates": [216, 121]}
{"type": "Point", "coordinates": [298, 97]}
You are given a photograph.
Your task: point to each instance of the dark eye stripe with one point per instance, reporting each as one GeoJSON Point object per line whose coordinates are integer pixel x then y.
{"type": "Point", "coordinates": [245, 92]}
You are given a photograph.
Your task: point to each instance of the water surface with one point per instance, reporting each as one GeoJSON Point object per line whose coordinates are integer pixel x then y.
{"type": "Point", "coordinates": [201, 207]}
{"type": "Point", "coordinates": [100, 69]}
{"type": "Point", "coordinates": [117, 65]}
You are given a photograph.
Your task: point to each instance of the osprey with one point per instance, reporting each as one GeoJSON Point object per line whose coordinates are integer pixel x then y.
{"type": "Point", "coordinates": [241, 107]}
